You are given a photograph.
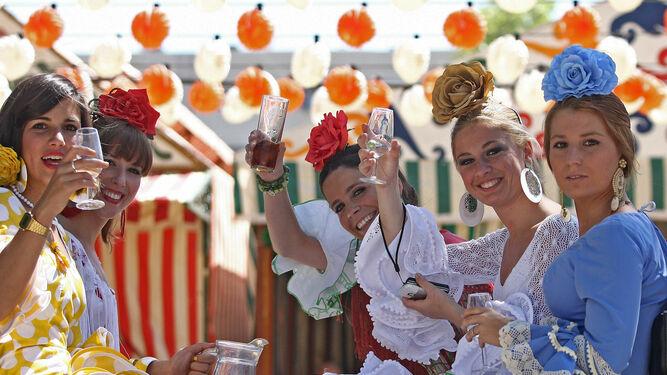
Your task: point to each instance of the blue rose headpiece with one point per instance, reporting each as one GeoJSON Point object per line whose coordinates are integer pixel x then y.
{"type": "Point", "coordinates": [578, 72]}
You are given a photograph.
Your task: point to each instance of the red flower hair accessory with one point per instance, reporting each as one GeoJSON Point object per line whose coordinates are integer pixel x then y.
{"type": "Point", "coordinates": [132, 106]}
{"type": "Point", "coordinates": [327, 138]}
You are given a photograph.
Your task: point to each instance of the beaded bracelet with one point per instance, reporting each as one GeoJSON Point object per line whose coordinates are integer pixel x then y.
{"type": "Point", "coordinates": [274, 187]}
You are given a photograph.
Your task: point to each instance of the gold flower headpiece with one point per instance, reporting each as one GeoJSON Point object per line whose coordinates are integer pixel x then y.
{"type": "Point", "coordinates": [460, 89]}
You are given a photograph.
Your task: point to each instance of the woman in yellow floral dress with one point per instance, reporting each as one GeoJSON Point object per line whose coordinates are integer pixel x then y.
{"type": "Point", "coordinates": [41, 293]}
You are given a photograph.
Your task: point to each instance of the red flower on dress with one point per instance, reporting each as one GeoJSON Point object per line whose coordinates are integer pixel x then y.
{"type": "Point", "coordinates": [132, 106]}
{"type": "Point", "coordinates": [327, 138]}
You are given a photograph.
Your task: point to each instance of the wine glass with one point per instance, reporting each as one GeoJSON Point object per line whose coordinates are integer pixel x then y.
{"type": "Point", "coordinates": [480, 300]}
{"type": "Point", "coordinates": [380, 132]}
{"type": "Point", "coordinates": [85, 198]}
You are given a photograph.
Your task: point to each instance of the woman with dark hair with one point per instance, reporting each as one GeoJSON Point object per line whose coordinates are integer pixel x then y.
{"type": "Point", "coordinates": [607, 288]}
{"type": "Point", "coordinates": [318, 240]}
{"type": "Point", "coordinates": [41, 293]}
{"type": "Point", "coordinates": [125, 122]}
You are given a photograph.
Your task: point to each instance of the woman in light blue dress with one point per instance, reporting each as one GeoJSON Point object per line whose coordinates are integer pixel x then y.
{"type": "Point", "coordinates": [609, 286]}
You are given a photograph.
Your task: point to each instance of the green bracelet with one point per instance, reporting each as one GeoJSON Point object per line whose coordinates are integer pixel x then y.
{"type": "Point", "coordinates": [274, 187]}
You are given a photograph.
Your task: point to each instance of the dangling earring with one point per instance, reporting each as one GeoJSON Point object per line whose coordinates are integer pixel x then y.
{"type": "Point", "coordinates": [564, 212]}
{"type": "Point", "coordinates": [122, 223]}
{"type": "Point", "coordinates": [618, 185]}
{"type": "Point", "coordinates": [471, 210]}
{"type": "Point", "coordinates": [531, 186]}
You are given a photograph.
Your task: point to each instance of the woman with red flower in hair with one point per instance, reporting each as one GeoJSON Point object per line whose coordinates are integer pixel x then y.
{"type": "Point", "coordinates": [318, 240]}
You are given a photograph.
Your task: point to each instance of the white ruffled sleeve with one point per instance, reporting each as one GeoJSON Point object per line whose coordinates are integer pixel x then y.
{"type": "Point", "coordinates": [318, 292]}
{"type": "Point", "coordinates": [404, 331]}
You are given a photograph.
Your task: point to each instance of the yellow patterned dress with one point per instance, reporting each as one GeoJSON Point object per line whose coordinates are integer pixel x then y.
{"type": "Point", "coordinates": [42, 335]}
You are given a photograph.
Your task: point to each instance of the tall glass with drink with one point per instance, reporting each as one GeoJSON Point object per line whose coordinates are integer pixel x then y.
{"type": "Point", "coordinates": [271, 122]}
{"type": "Point", "coordinates": [380, 133]}
{"type": "Point", "coordinates": [480, 300]}
{"type": "Point", "coordinates": [85, 198]}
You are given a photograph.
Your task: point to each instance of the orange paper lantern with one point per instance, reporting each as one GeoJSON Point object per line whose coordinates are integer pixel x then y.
{"type": "Point", "coordinates": [653, 93]}
{"type": "Point", "coordinates": [355, 27]}
{"type": "Point", "coordinates": [254, 29]}
{"type": "Point", "coordinates": [206, 97]}
{"type": "Point", "coordinates": [44, 27]}
{"type": "Point", "coordinates": [379, 94]}
{"type": "Point", "coordinates": [465, 28]}
{"type": "Point", "coordinates": [157, 81]}
{"type": "Point", "coordinates": [428, 81]}
{"type": "Point", "coordinates": [292, 91]}
{"type": "Point", "coordinates": [579, 25]}
{"type": "Point", "coordinates": [150, 28]}
{"type": "Point", "coordinates": [79, 77]}
{"type": "Point", "coordinates": [253, 83]}
{"type": "Point", "coordinates": [342, 85]}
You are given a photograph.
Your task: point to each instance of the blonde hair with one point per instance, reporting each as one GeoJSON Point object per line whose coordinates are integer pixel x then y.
{"type": "Point", "coordinates": [613, 113]}
{"type": "Point", "coordinates": [506, 119]}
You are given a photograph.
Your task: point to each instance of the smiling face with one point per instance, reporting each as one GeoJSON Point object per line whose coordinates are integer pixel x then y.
{"type": "Point", "coordinates": [46, 139]}
{"type": "Point", "coordinates": [355, 202]}
{"type": "Point", "coordinates": [582, 154]}
{"type": "Point", "coordinates": [119, 185]}
{"type": "Point", "coordinates": [489, 163]}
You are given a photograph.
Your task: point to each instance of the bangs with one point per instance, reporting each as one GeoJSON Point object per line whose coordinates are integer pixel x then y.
{"type": "Point", "coordinates": [125, 141]}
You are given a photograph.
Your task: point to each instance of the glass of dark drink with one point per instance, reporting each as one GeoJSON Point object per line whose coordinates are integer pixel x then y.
{"type": "Point", "coordinates": [271, 122]}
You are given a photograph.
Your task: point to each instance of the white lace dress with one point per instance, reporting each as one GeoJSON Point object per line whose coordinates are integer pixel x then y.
{"type": "Point", "coordinates": [101, 306]}
{"type": "Point", "coordinates": [416, 337]}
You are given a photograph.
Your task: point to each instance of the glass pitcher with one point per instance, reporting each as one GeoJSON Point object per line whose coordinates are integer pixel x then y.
{"type": "Point", "coordinates": [236, 358]}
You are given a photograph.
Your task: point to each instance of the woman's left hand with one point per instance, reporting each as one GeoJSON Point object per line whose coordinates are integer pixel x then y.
{"type": "Point", "coordinates": [486, 324]}
{"type": "Point", "coordinates": [188, 360]}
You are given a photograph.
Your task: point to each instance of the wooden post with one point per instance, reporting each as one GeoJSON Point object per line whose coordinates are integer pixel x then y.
{"type": "Point", "coordinates": [265, 304]}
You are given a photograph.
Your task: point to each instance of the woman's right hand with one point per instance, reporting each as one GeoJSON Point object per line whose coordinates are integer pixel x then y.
{"type": "Point", "coordinates": [254, 137]}
{"type": "Point", "coordinates": [386, 168]}
{"type": "Point", "coordinates": [436, 305]}
{"type": "Point", "coordinates": [66, 180]}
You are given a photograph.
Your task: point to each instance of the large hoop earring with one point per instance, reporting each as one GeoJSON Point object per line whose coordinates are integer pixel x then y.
{"type": "Point", "coordinates": [564, 212]}
{"type": "Point", "coordinates": [618, 185]}
{"type": "Point", "coordinates": [531, 186]}
{"type": "Point", "coordinates": [471, 210]}
{"type": "Point", "coordinates": [122, 223]}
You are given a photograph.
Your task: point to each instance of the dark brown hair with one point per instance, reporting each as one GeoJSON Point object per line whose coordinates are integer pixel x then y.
{"type": "Point", "coordinates": [349, 158]}
{"type": "Point", "coordinates": [123, 140]}
{"type": "Point", "coordinates": [613, 113]}
{"type": "Point", "coordinates": [33, 97]}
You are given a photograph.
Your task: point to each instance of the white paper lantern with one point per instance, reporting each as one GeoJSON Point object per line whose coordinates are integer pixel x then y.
{"type": "Point", "coordinates": [208, 5]}
{"type": "Point", "coordinates": [408, 5]}
{"type": "Point", "coordinates": [16, 56]}
{"type": "Point", "coordinates": [516, 6]}
{"type": "Point", "coordinates": [528, 92]}
{"type": "Point", "coordinates": [410, 60]}
{"type": "Point", "coordinates": [502, 96]}
{"type": "Point", "coordinates": [234, 111]}
{"type": "Point", "coordinates": [110, 57]}
{"type": "Point", "coordinates": [625, 5]}
{"type": "Point", "coordinates": [213, 61]}
{"type": "Point", "coordinates": [413, 107]}
{"type": "Point", "coordinates": [93, 4]}
{"type": "Point", "coordinates": [659, 115]}
{"type": "Point", "coordinates": [623, 54]}
{"type": "Point", "coordinates": [320, 104]}
{"type": "Point", "coordinates": [301, 4]}
{"type": "Point", "coordinates": [5, 91]}
{"type": "Point", "coordinates": [310, 64]}
{"type": "Point", "coordinates": [507, 58]}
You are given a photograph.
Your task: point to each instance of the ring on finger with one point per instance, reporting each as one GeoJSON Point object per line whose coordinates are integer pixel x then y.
{"type": "Point", "coordinates": [74, 166]}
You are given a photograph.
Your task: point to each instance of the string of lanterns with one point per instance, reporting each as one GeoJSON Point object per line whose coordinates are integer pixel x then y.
{"type": "Point", "coordinates": [341, 86]}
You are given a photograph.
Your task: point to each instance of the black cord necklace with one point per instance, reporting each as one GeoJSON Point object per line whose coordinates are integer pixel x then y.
{"type": "Point", "coordinates": [394, 259]}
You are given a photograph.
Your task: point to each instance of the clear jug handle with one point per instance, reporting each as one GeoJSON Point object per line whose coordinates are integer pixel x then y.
{"type": "Point", "coordinates": [212, 351]}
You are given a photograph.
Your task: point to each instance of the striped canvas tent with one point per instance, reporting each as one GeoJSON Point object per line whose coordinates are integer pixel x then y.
{"type": "Point", "coordinates": [440, 188]}
{"type": "Point", "coordinates": [162, 267]}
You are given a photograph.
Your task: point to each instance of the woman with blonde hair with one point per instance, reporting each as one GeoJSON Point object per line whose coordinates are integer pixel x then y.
{"type": "Point", "coordinates": [498, 161]}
